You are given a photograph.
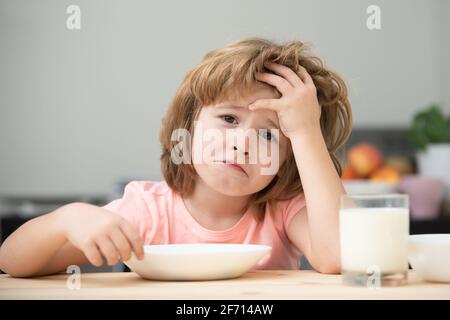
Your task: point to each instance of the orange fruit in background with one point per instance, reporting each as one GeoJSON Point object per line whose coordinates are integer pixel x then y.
{"type": "Point", "coordinates": [402, 164]}
{"type": "Point", "coordinates": [349, 174]}
{"type": "Point", "coordinates": [364, 159]}
{"type": "Point", "coordinates": [386, 174]}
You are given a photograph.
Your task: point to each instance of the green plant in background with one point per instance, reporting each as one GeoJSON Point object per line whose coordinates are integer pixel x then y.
{"type": "Point", "coordinates": [429, 126]}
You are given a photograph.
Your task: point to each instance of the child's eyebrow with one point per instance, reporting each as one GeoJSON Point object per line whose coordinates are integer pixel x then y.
{"type": "Point", "coordinates": [229, 106]}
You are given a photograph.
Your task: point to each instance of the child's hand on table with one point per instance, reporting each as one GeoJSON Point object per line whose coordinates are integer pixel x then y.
{"type": "Point", "coordinates": [98, 232]}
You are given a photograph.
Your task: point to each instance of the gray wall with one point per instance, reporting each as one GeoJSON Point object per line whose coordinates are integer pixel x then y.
{"type": "Point", "coordinates": [80, 110]}
{"type": "Point", "coordinates": [444, 52]}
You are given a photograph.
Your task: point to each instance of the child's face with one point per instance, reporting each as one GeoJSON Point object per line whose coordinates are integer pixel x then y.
{"type": "Point", "coordinates": [233, 133]}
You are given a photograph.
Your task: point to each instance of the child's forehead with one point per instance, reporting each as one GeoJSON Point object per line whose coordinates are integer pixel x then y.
{"type": "Point", "coordinates": [245, 98]}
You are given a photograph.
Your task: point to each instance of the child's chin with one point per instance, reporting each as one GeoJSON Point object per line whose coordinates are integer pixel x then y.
{"type": "Point", "coordinates": [233, 193]}
{"type": "Point", "coordinates": [229, 189]}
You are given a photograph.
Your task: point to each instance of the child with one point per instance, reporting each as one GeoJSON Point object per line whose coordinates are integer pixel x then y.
{"type": "Point", "coordinates": [250, 84]}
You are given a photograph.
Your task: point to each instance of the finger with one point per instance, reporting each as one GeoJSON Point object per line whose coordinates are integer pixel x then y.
{"type": "Point", "coordinates": [286, 72]}
{"type": "Point", "coordinates": [134, 239]}
{"type": "Point", "coordinates": [121, 243]}
{"type": "Point", "coordinates": [93, 254]}
{"type": "Point", "coordinates": [271, 104]}
{"type": "Point", "coordinates": [278, 82]}
{"type": "Point", "coordinates": [108, 250]}
{"type": "Point", "coordinates": [305, 76]}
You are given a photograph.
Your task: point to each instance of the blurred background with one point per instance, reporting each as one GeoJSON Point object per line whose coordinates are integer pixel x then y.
{"type": "Point", "coordinates": [81, 109]}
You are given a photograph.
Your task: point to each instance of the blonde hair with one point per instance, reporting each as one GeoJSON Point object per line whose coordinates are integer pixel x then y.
{"type": "Point", "coordinates": [230, 72]}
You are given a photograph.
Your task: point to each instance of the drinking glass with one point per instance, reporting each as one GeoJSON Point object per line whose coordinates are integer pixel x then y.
{"type": "Point", "coordinates": [374, 231]}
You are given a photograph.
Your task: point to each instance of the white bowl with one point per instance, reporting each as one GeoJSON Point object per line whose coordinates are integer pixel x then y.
{"type": "Point", "coordinates": [206, 261]}
{"type": "Point", "coordinates": [429, 255]}
{"type": "Point", "coordinates": [364, 186]}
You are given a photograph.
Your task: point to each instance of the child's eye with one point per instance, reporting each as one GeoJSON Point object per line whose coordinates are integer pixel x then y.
{"type": "Point", "coordinates": [266, 134]}
{"type": "Point", "coordinates": [228, 118]}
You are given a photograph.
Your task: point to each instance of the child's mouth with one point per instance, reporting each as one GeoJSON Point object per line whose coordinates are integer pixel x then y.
{"type": "Point", "coordinates": [234, 166]}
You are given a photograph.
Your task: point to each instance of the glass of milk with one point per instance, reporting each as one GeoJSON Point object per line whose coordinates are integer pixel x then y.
{"type": "Point", "coordinates": [374, 232]}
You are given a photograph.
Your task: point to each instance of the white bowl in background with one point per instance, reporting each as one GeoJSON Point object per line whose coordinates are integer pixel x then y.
{"type": "Point", "coordinates": [199, 261]}
{"type": "Point", "coordinates": [363, 186]}
{"type": "Point", "coordinates": [429, 256]}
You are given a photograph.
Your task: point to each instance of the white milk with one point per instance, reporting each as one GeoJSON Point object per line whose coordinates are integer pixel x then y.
{"type": "Point", "coordinates": [374, 237]}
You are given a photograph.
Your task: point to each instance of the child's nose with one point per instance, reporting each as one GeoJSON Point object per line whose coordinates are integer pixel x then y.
{"type": "Point", "coordinates": [245, 151]}
{"type": "Point", "coordinates": [242, 157]}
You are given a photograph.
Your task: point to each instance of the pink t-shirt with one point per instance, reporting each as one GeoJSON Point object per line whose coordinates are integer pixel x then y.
{"type": "Point", "coordinates": [160, 216]}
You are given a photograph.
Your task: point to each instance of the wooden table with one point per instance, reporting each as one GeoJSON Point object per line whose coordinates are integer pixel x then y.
{"type": "Point", "coordinates": [271, 285]}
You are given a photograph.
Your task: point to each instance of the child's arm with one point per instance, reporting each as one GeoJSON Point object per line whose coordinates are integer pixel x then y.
{"type": "Point", "coordinates": [316, 231]}
{"type": "Point", "coordinates": [28, 251]}
{"type": "Point", "coordinates": [71, 235]}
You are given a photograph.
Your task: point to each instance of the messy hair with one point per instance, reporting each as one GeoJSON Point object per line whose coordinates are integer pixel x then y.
{"type": "Point", "coordinates": [230, 72]}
